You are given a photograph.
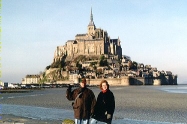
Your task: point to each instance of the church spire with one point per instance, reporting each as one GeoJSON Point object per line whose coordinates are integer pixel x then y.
{"type": "Point", "coordinates": [91, 19]}
{"type": "Point", "coordinates": [91, 26]}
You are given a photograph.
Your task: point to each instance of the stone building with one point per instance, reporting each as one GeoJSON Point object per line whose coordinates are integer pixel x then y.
{"type": "Point", "coordinates": [95, 42]}
{"type": "Point", "coordinates": [31, 79]}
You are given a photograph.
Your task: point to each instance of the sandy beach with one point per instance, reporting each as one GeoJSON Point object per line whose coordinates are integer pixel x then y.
{"type": "Point", "coordinates": [134, 103]}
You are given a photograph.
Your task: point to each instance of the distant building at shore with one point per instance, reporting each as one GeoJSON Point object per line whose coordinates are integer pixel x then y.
{"type": "Point", "coordinates": [31, 79]}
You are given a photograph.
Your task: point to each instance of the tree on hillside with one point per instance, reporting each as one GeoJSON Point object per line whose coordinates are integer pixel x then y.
{"type": "Point", "coordinates": [133, 65]}
{"type": "Point", "coordinates": [57, 64]}
{"type": "Point", "coordinates": [47, 67]}
{"type": "Point", "coordinates": [103, 61]}
{"type": "Point", "coordinates": [79, 66]}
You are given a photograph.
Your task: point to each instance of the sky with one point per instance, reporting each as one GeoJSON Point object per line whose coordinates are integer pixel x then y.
{"type": "Point", "coordinates": [152, 32]}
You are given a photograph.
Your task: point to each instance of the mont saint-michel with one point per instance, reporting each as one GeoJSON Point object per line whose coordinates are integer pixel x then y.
{"type": "Point", "coordinates": [96, 56]}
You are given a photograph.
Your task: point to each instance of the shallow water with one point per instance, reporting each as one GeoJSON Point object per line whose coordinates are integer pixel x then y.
{"type": "Point", "coordinates": [174, 89]}
{"type": "Point", "coordinates": [39, 113]}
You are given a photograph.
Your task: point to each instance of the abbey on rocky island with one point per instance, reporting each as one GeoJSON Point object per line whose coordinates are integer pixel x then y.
{"type": "Point", "coordinates": [95, 56]}
{"type": "Point", "coordinates": [95, 42]}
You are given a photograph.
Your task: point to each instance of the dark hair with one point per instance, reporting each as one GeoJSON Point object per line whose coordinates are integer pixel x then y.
{"type": "Point", "coordinates": [103, 81]}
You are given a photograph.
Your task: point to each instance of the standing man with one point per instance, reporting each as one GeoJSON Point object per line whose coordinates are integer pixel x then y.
{"type": "Point", "coordinates": [84, 102]}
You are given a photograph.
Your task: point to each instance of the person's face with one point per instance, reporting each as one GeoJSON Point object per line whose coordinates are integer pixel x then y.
{"type": "Point", "coordinates": [104, 86]}
{"type": "Point", "coordinates": [82, 84]}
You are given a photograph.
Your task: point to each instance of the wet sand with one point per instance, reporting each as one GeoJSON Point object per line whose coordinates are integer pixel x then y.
{"type": "Point", "coordinates": [12, 119]}
{"type": "Point", "coordinates": [133, 102]}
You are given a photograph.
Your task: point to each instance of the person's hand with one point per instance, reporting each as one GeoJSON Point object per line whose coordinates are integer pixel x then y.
{"type": "Point", "coordinates": [108, 116]}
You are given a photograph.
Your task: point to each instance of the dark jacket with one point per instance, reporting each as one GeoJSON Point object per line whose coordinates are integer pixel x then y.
{"type": "Point", "coordinates": [105, 103]}
{"type": "Point", "coordinates": [84, 105]}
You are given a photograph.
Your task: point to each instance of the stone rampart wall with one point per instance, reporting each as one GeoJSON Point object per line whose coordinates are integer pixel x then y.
{"type": "Point", "coordinates": [124, 81]}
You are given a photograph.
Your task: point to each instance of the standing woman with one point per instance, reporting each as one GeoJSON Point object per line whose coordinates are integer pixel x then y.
{"type": "Point", "coordinates": [105, 105]}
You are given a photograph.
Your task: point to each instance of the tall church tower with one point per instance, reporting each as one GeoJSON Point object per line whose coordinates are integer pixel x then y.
{"type": "Point", "coordinates": [91, 26]}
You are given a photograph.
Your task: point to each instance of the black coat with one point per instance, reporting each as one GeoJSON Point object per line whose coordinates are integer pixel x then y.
{"type": "Point", "coordinates": [105, 103]}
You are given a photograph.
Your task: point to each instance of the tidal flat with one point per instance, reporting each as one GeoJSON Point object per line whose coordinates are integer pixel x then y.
{"type": "Point", "coordinates": [134, 104]}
